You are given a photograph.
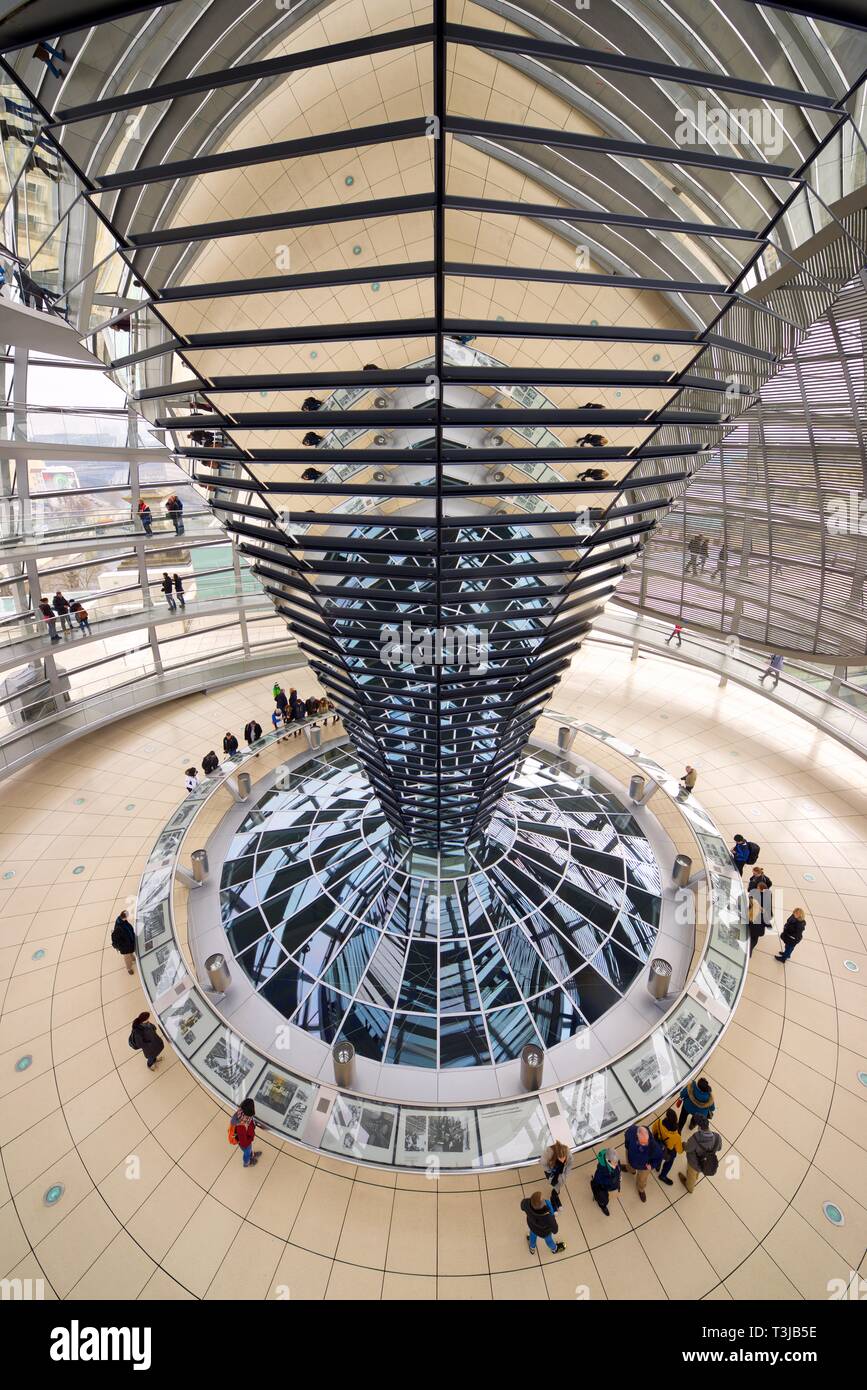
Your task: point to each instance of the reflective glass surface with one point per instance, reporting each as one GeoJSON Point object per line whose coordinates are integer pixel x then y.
{"type": "Point", "coordinates": [423, 961]}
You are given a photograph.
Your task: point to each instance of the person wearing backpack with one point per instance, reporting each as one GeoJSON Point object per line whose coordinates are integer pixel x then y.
{"type": "Point", "coordinates": [701, 1150]}
{"type": "Point", "coordinates": [541, 1222]}
{"type": "Point", "coordinates": [744, 852]}
{"type": "Point", "coordinates": [696, 1101]}
{"type": "Point", "coordinates": [242, 1131]}
{"type": "Point", "coordinates": [252, 732]}
{"type": "Point", "coordinates": [666, 1133]}
{"type": "Point", "coordinates": [145, 1038]}
{"type": "Point", "coordinates": [123, 941]}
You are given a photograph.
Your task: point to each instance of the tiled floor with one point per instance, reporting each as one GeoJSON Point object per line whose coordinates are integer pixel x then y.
{"type": "Point", "coordinates": [156, 1204]}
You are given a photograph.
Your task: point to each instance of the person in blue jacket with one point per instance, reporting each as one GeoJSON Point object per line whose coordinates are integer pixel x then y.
{"type": "Point", "coordinates": [606, 1178]}
{"type": "Point", "coordinates": [696, 1101]}
{"type": "Point", "coordinates": [740, 853]}
{"type": "Point", "coordinates": [643, 1152]}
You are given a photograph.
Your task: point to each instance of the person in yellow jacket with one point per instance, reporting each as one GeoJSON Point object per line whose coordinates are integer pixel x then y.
{"type": "Point", "coordinates": [668, 1134]}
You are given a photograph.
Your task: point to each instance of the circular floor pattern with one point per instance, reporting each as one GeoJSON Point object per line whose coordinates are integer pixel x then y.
{"type": "Point", "coordinates": [791, 1101]}
{"type": "Point", "coordinates": [427, 961]}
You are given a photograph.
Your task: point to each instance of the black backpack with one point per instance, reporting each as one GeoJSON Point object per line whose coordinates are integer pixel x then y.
{"type": "Point", "coordinates": [708, 1162]}
{"type": "Point", "coordinates": [134, 1041]}
{"type": "Point", "coordinates": [754, 852]}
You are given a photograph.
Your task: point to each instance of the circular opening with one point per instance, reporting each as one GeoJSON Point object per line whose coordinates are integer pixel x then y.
{"type": "Point", "coordinates": [833, 1214]}
{"type": "Point", "coordinates": [53, 1194]}
{"type": "Point", "coordinates": [23, 1062]}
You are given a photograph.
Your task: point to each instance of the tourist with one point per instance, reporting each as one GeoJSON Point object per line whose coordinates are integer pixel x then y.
{"type": "Point", "coordinates": [252, 732]}
{"type": "Point", "coordinates": [665, 1131]}
{"type": "Point", "coordinates": [80, 612]}
{"type": "Point", "coordinates": [145, 516]}
{"type": "Point", "coordinates": [744, 852]}
{"type": "Point", "coordinates": [168, 589]}
{"type": "Point", "coordinates": [792, 933]}
{"type": "Point", "coordinates": [192, 779]}
{"type": "Point", "coordinates": [541, 1221]}
{"type": "Point", "coordinates": [175, 513]}
{"type": "Point", "coordinates": [675, 635]}
{"type": "Point", "coordinates": [696, 1101]}
{"type": "Point", "coordinates": [210, 763]}
{"type": "Point", "coordinates": [643, 1152]}
{"type": "Point", "coordinates": [145, 1038]}
{"type": "Point", "coordinates": [230, 744]}
{"type": "Point", "coordinates": [774, 668]}
{"type": "Point", "coordinates": [123, 941]}
{"type": "Point", "coordinates": [277, 718]}
{"type": "Point", "coordinates": [761, 911]}
{"type": "Point", "coordinates": [242, 1131]}
{"type": "Point", "coordinates": [61, 608]}
{"type": "Point", "coordinates": [701, 1149]}
{"type": "Point", "coordinates": [50, 618]}
{"type": "Point", "coordinates": [556, 1162]}
{"type": "Point", "coordinates": [687, 782]}
{"type": "Point", "coordinates": [606, 1178]}
{"type": "Point", "coordinates": [179, 589]}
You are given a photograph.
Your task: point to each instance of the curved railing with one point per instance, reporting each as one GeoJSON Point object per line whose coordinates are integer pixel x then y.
{"type": "Point", "coordinates": [465, 1137]}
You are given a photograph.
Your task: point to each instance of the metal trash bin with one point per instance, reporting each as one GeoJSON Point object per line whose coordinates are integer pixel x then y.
{"type": "Point", "coordinates": [218, 973]}
{"type": "Point", "coordinates": [343, 1059]}
{"type": "Point", "coordinates": [565, 737]}
{"type": "Point", "coordinates": [532, 1066]}
{"type": "Point", "coordinates": [200, 865]}
{"type": "Point", "coordinates": [659, 979]}
{"type": "Point", "coordinates": [637, 784]}
{"type": "Point", "coordinates": [682, 870]}
{"type": "Point", "coordinates": [314, 736]}
{"type": "Point", "coordinates": [245, 785]}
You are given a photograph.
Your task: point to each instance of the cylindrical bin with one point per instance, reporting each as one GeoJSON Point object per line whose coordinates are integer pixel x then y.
{"type": "Point", "coordinates": [659, 979]}
{"type": "Point", "coordinates": [565, 737]}
{"type": "Point", "coordinates": [532, 1066]}
{"type": "Point", "coordinates": [314, 736]}
{"type": "Point", "coordinates": [343, 1059]}
{"type": "Point", "coordinates": [637, 783]}
{"type": "Point", "coordinates": [245, 784]}
{"type": "Point", "coordinates": [200, 865]}
{"type": "Point", "coordinates": [682, 869]}
{"type": "Point", "coordinates": [218, 973]}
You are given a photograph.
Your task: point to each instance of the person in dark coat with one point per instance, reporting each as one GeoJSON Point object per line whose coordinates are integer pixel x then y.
{"type": "Point", "coordinates": [697, 1102]}
{"type": "Point", "coordinates": [281, 700]}
{"type": "Point", "coordinates": [792, 933]}
{"type": "Point", "coordinates": [145, 516]}
{"type": "Point", "coordinates": [541, 1221]}
{"type": "Point", "coordinates": [60, 605]}
{"type": "Point", "coordinates": [210, 763]}
{"type": "Point", "coordinates": [761, 911]}
{"type": "Point", "coordinates": [643, 1152]}
{"type": "Point", "coordinates": [168, 589]}
{"type": "Point", "coordinates": [252, 732]}
{"type": "Point", "coordinates": [175, 513]}
{"type": "Point", "coordinates": [179, 589]}
{"type": "Point", "coordinates": [606, 1178]}
{"type": "Point", "coordinates": [123, 941]}
{"type": "Point", "coordinates": [230, 744]}
{"type": "Point", "coordinates": [145, 1038]}
{"type": "Point", "coordinates": [698, 1149]}
{"type": "Point", "coordinates": [50, 618]}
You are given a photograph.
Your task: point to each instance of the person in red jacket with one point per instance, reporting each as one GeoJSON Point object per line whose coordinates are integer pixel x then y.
{"type": "Point", "coordinates": [245, 1131]}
